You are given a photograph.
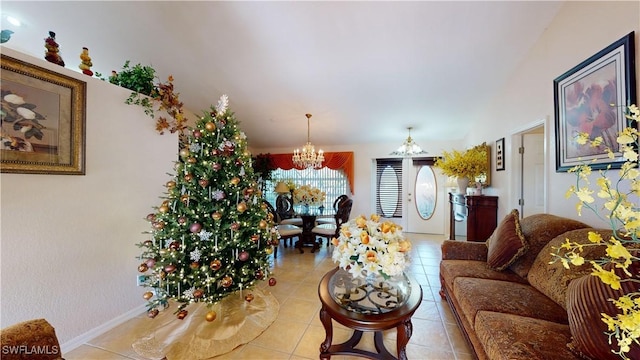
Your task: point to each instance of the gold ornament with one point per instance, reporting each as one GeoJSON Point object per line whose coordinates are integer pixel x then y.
{"type": "Point", "coordinates": [184, 152]}
{"type": "Point", "coordinates": [163, 209]}
{"type": "Point", "coordinates": [262, 224]}
{"type": "Point", "coordinates": [235, 181]}
{"type": "Point", "coordinates": [148, 295]}
{"type": "Point", "coordinates": [268, 250]}
{"type": "Point", "coordinates": [210, 126]}
{"type": "Point", "coordinates": [242, 207]}
{"type": "Point", "coordinates": [216, 216]}
{"type": "Point", "coordinates": [192, 160]}
{"type": "Point", "coordinates": [226, 281]}
{"type": "Point", "coordinates": [211, 315]}
{"type": "Point", "coordinates": [171, 184]}
{"type": "Point", "coordinates": [215, 265]}
{"type": "Point", "coordinates": [143, 267]}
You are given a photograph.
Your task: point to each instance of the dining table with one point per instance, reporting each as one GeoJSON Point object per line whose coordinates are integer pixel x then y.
{"type": "Point", "coordinates": [309, 214]}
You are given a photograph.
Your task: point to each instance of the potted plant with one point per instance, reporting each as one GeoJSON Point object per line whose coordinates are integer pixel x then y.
{"type": "Point", "coordinates": [464, 165]}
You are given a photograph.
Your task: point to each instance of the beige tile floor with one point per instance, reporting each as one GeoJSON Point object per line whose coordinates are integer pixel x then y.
{"type": "Point", "coordinates": [297, 332]}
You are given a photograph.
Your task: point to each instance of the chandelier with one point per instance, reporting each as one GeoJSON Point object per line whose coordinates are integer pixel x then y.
{"type": "Point", "coordinates": [409, 148]}
{"type": "Point", "coordinates": [307, 158]}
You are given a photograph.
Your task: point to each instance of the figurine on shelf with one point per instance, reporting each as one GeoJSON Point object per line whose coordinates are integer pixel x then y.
{"type": "Point", "coordinates": [51, 55]}
{"type": "Point", "coordinates": [86, 64]}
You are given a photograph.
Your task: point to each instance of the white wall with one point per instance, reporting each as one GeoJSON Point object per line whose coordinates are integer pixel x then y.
{"type": "Point", "coordinates": [580, 30]}
{"type": "Point", "coordinates": [68, 242]}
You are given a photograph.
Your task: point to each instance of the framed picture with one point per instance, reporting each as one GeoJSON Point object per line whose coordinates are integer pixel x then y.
{"type": "Point", "coordinates": [500, 154]}
{"type": "Point", "coordinates": [592, 98]}
{"type": "Point", "coordinates": [43, 120]}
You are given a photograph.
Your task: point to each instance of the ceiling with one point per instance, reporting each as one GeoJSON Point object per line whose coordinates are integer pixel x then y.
{"type": "Point", "coordinates": [365, 70]}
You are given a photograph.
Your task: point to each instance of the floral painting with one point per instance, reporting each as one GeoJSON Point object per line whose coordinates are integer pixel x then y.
{"type": "Point", "coordinates": [590, 98]}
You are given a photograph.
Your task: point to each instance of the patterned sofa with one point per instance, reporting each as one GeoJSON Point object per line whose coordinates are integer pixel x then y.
{"type": "Point", "coordinates": [511, 303]}
{"type": "Point", "coordinates": [29, 340]}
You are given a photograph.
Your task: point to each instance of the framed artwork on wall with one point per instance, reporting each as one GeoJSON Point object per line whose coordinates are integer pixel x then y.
{"type": "Point", "coordinates": [592, 98]}
{"type": "Point", "coordinates": [500, 154]}
{"type": "Point", "coordinates": [43, 120]}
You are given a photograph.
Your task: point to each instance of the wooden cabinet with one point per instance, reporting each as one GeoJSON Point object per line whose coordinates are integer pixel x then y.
{"type": "Point", "coordinates": [479, 211]}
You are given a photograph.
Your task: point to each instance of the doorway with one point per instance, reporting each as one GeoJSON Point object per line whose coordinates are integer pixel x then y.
{"type": "Point", "coordinates": [530, 177]}
{"type": "Point", "coordinates": [425, 208]}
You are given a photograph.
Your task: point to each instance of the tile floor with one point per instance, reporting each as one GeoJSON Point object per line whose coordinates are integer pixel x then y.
{"type": "Point", "coordinates": [297, 332]}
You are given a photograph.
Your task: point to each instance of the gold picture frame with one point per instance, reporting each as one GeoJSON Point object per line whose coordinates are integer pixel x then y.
{"type": "Point", "coordinates": [486, 177]}
{"type": "Point", "coordinates": [43, 120]}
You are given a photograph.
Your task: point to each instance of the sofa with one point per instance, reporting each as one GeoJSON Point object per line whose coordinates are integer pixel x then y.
{"type": "Point", "coordinates": [28, 340]}
{"type": "Point", "coordinates": [512, 302]}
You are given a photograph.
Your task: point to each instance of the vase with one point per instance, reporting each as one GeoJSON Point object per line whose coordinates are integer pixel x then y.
{"type": "Point", "coordinates": [463, 183]}
{"type": "Point", "coordinates": [372, 294]}
{"type": "Point", "coordinates": [305, 208]}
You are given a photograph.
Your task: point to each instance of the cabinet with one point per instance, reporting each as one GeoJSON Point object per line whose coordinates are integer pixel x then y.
{"type": "Point", "coordinates": [479, 211]}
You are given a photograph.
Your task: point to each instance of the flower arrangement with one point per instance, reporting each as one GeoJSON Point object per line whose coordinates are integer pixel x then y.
{"type": "Point", "coordinates": [308, 195]}
{"type": "Point", "coordinates": [367, 246]}
{"type": "Point", "coordinates": [622, 211]}
{"type": "Point", "coordinates": [470, 163]}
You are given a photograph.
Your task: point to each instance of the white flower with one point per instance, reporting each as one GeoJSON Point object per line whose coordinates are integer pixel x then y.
{"type": "Point", "coordinates": [26, 113]}
{"type": "Point", "coordinates": [14, 99]}
{"type": "Point", "coordinates": [367, 246]}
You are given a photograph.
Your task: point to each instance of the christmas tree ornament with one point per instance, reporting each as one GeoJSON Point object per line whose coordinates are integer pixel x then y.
{"type": "Point", "coordinates": [182, 220]}
{"type": "Point", "coordinates": [262, 224]}
{"type": "Point", "coordinates": [259, 274]}
{"type": "Point", "coordinates": [184, 152]}
{"type": "Point", "coordinates": [52, 54]}
{"type": "Point", "coordinates": [163, 209]}
{"type": "Point", "coordinates": [216, 166]}
{"type": "Point", "coordinates": [268, 250]}
{"type": "Point", "coordinates": [147, 295]}
{"type": "Point", "coordinates": [197, 134]}
{"type": "Point", "coordinates": [171, 184]}
{"type": "Point", "coordinates": [158, 225]}
{"type": "Point", "coordinates": [192, 160]}
{"type": "Point", "coordinates": [151, 217]}
{"type": "Point", "coordinates": [211, 316]}
{"type": "Point", "coordinates": [150, 262]}
{"type": "Point", "coordinates": [170, 268]}
{"type": "Point", "coordinates": [195, 227]}
{"type": "Point", "coordinates": [272, 281]}
{"type": "Point", "coordinates": [255, 237]}
{"type": "Point", "coordinates": [85, 62]}
{"type": "Point", "coordinates": [215, 152]}
{"type": "Point", "coordinates": [243, 256]}
{"type": "Point", "coordinates": [235, 226]}
{"type": "Point", "coordinates": [241, 207]}
{"type": "Point", "coordinates": [203, 182]}
{"type": "Point", "coordinates": [147, 243]}
{"type": "Point", "coordinates": [210, 126]}
{"type": "Point", "coordinates": [198, 293]}
{"type": "Point", "coordinates": [215, 265]}
{"type": "Point", "coordinates": [235, 181]}
{"type": "Point", "coordinates": [226, 281]}
{"type": "Point", "coordinates": [216, 216]}
{"type": "Point", "coordinates": [194, 265]}
{"type": "Point", "coordinates": [143, 267]}
{"type": "Point", "coordinates": [184, 198]}
{"type": "Point", "coordinates": [174, 246]}
{"type": "Point", "coordinates": [153, 313]}
{"type": "Point", "coordinates": [182, 314]}
{"type": "Point", "coordinates": [248, 297]}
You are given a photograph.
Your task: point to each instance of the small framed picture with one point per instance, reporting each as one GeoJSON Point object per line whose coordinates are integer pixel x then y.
{"type": "Point", "coordinates": [500, 154]}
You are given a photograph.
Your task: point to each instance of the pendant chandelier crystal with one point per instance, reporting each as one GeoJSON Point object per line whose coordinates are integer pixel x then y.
{"type": "Point", "coordinates": [308, 158]}
{"type": "Point", "coordinates": [409, 148]}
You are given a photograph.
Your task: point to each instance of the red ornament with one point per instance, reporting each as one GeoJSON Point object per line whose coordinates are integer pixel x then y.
{"type": "Point", "coordinates": [143, 267]}
{"type": "Point", "coordinates": [235, 226]}
{"type": "Point", "coordinates": [259, 274]}
{"type": "Point", "coordinates": [249, 297]}
{"type": "Point", "coordinates": [151, 217]}
{"type": "Point", "coordinates": [194, 265]}
{"type": "Point", "coordinates": [226, 281]}
{"type": "Point", "coordinates": [197, 134]}
{"type": "Point", "coordinates": [158, 225]}
{"type": "Point", "coordinates": [171, 268]}
{"type": "Point", "coordinates": [255, 237]}
{"type": "Point", "coordinates": [153, 313]}
{"type": "Point", "coordinates": [174, 245]}
{"type": "Point", "coordinates": [216, 166]}
{"type": "Point", "coordinates": [188, 177]}
{"type": "Point", "coordinates": [203, 182]}
{"type": "Point", "coordinates": [147, 243]}
{"type": "Point", "coordinates": [272, 281]}
{"type": "Point", "coordinates": [182, 314]}
{"type": "Point", "coordinates": [182, 220]}
{"type": "Point", "coordinates": [215, 152]}
{"type": "Point", "coordinates": [195, 228]}
{"type": "Point", "coordinates": [243, 256]}
{"type": "Point", "coordinates": [198, 293]}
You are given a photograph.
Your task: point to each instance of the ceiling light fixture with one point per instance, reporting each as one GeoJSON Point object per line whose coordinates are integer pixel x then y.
{"type": "Point", "coordinates": [409, 148]}
{"type": "Point", "coordinates": [307, 158]}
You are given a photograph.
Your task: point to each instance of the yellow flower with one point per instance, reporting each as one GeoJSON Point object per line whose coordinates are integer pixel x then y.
{"type": "Point", "coordinates": [608, 277]}
{"type": "Point", "coordinates": [361, 222]}
{"type": "Point", "coordinates": [594, 237]}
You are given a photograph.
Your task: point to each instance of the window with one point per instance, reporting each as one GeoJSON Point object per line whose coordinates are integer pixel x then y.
{"type": "Point", "coordinates": [389, 187]}
{"type": "Point", "coordinates": [333, 182]}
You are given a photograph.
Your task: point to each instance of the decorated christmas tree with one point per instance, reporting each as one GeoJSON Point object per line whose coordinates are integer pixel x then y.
{"type": "Point", "coordinates": [212, 235]}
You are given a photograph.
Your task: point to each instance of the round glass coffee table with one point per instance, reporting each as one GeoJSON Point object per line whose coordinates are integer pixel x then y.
{"type": "Point", "coordinates": [367, 307]}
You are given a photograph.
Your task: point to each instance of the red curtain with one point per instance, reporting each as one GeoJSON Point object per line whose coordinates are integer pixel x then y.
{"type": "Point", "coordinates": [333, 160]}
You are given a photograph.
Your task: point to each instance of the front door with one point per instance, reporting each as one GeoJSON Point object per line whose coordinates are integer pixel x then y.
{"type": "Point", "coordinates": [424, 195]}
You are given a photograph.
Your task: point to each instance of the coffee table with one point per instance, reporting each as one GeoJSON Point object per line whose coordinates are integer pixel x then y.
{"type": "Point", "coordinates": [399, 318]}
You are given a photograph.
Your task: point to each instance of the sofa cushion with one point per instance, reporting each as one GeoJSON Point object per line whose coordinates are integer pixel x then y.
{"type": "Point", "coordinates": [587, 299]}
{"type": "Point", "coordinates": [451, 269]}
{"type": "Point", "coordinates": [507, 336]}
{"type": "Point", "coordinates": [474, 295]}
{"type": "Point", "coordinates": [553, 279]}
{"type": "Point", "coordinates": [32, 334]}
{"type": "Point", "coordinates": [507, 243]}
{"type": "Point", "coordinates": [539, 229]}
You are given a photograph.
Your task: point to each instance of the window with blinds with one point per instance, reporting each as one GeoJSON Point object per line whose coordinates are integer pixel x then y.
{"type": "Point", "coordinates": [389, 187]}
{"type": "Point", "coordinates": [333, 182]}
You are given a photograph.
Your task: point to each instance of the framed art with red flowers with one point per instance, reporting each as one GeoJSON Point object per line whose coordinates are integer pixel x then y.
{"type": "Point", "coordinates": [43, 120]}
{"type": "Point", "coordinates": [591, 98]}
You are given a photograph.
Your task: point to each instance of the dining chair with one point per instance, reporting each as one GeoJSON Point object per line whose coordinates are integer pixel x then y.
{"type": "Point", "coordinates": [330, 231]}
{"type": "Point", "coordinates": [286, 231]}
{"type": "Point", "coordinates": [336, 202]}
{"type": "Point", "coordinates": [284, 208]}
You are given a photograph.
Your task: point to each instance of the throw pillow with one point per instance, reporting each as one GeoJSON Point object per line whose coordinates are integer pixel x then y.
{"type": "Point", "coordinates": [587, 298]}
{"type": "Point", "coordinates": [507, 243]}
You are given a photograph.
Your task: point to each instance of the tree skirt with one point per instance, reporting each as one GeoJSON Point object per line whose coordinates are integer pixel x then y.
{"type": "Point", "coordinates": [237, 323]}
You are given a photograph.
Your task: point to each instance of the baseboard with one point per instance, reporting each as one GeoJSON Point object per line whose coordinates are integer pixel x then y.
{"type": "Point", "coordinates": [97, 331]}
